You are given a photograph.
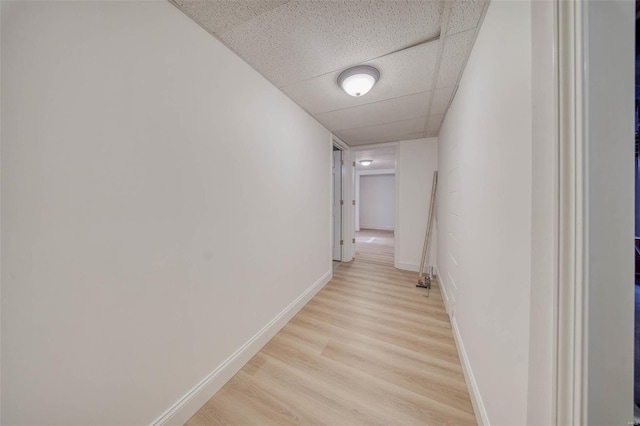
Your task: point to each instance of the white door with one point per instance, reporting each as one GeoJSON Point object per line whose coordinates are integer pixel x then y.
{"type": "Point", "coordinates": [337, 205]}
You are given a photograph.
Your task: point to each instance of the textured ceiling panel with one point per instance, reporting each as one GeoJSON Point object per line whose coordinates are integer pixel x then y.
{"type": "Point", "coordinates": [382, 132]}
{"type": "Point", "coordinates": [218, 16]}
{"type": "Point", "coordinates": [402, 108]}
{"type": "Point", "coordinates": [435, 121]}
{"type": "Point", "coordinates": [403, 73]}
{"type": "Point", "coordinates": [464, 15]}
{"type": "Point", "coordinates": [406, 137]}
{"type": "Point", "coordinates": [302, 45]}
{"type": "Point", "coordinates": [455, 53]}
{"type": "Point", "coordinates": [305, 39]}
{"type": "Point", "coordinates": [441, 99]}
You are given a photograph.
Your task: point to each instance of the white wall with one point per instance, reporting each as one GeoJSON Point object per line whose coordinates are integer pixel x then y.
{"type": "Point", "coordinates": [610, 224]}
{"type": "Point", "coordinates": [377, 202]}
{"type": "Point", "coordinates": [416, 161]}
{"type": "Point", "coordinates": [484, 213]}
{"type": "Point", "coordinates": [544, 251]}
{"type": "Point", "coordinates": [147, 224]}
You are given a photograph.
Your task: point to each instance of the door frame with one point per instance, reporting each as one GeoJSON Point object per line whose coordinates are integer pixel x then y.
{"type": "Point", "coordinates": [352, 183]}
{"type": "Point", "coordinates": [590, 387]}
{"type": "Point", "coordinates": [337, 205]}
{"type": "Point", "coordinates": [570, 341]}
{"type": "Point", "coordinates": [348, 233]}
{"type": "Point", "coordinates": [356, 219]}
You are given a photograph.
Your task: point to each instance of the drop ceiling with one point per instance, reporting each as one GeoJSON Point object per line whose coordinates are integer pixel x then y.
{"type": "Point", "coordinates": [420, 48]}
{"type": "Point", "coordinates": [383, 158]}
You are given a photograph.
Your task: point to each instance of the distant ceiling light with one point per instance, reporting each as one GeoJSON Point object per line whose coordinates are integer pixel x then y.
{"type": "Point", "coordinates": [358, 80]}
{"type": "Point", "coordinates": [366, 162]}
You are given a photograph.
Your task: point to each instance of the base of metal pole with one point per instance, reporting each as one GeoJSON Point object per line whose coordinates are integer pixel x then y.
{"type": "Point", "coordinates": [424, 282]}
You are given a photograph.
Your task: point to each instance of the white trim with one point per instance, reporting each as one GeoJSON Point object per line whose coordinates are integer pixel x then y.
{"type": "Point", "coordinates": [190, 403]}
{"type": "Point", "coordinates": [348, 215]}
{"type": "Point", "coordinates": [339, 143]}
{"type": "Point", "coordinates": [377, 227]}
{"type": "Point", "coordinates": [474, 392]}
{"type": "Point", "coordinates": [446, 297]}
{"type": "Point", "coordinates": [573, 281]}
{"type": "Point", "coordinates": [356, 191]}
{"type": "Point", "coordinates": [348, 231]}
{"type": "Point", "coordinates": [407, 266]}
{"type": "Point", "coordinates": [331, 194]}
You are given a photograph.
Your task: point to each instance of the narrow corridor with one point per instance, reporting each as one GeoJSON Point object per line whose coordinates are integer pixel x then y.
{"type": "Point", "coordinates": [369, 348]}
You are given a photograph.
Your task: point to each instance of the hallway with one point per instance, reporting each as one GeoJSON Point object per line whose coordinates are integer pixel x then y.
{"type": "Point", "coordinates": [369, 348]}
{"type": "Point", "coordinates": [374, 246]}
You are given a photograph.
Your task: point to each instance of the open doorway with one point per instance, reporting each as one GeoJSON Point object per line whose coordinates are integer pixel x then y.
{"type": "Point", "coordinates": [338, 203]}
{"type": "Point", "coordinates": [375, 195]}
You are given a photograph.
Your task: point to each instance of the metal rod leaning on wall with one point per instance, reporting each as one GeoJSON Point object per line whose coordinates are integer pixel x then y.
{"type": "Point", "coordinates": [422, 281]}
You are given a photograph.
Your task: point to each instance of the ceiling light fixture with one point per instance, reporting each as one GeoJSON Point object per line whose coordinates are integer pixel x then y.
{"type": "Point", "coordinates": [366, 162]}
{"type": "Point", "coordinates": [358, 80]}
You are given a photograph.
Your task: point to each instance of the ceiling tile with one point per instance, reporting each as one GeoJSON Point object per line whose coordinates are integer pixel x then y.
{"type": "Point", "coordinates": [454, 56]}
{"type": "Point", "coordinates": [382, 132]}
{"type": "Point", "coordinates": [304, 39]}
{"type": "Point", "coordinates": [402, 73]}
{"type": "Point", "coordinates": [221, 15]}
{"type": "Point", "coordinates": [464, 15]}
{"type": "Point", "coordinates": [441, 100]}
{"type": "Point", "coordinates": [302, 46]}
{"type": "Point", "coordinates": [396, 109]}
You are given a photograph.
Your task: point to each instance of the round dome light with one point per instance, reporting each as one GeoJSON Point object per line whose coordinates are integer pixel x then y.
{"type": "Point", "coordinates": [358, 80]}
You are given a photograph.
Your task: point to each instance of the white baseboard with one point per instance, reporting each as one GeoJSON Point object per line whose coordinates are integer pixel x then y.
{"type": "Point", "coordinates": [445, 292]}
{"type": "Point", "coordinates": [410, 266]}
{"type": "Point", "coordinates": [189, 404]}
{"type": "Point", "coordinates": [474, 392]}
{"type": "Point", "coordinates": [407, 266]}
{"type": "Point", "coordinates": [377, 228]}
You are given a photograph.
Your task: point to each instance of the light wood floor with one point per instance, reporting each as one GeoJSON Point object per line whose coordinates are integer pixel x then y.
{"type": "Point", "coordinates": [369, 348]}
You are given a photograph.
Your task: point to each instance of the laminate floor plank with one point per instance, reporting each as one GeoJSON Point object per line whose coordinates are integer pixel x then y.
{"type": "Point", "coordinates": [368, 349]}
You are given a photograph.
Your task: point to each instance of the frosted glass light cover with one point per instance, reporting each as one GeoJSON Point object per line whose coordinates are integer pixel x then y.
{"type": "Point", "coordinates": [358, 85]}
{"type": "Point", "coordinates": [358, 80]}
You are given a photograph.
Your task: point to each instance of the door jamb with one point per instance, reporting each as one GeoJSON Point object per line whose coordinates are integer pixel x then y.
{"type": "Point", "coordinates": [353, 217]}
{"type": "Point", "coordinates": [348, 247]}
{"type": "Point", "coordinates": [572, 291]}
